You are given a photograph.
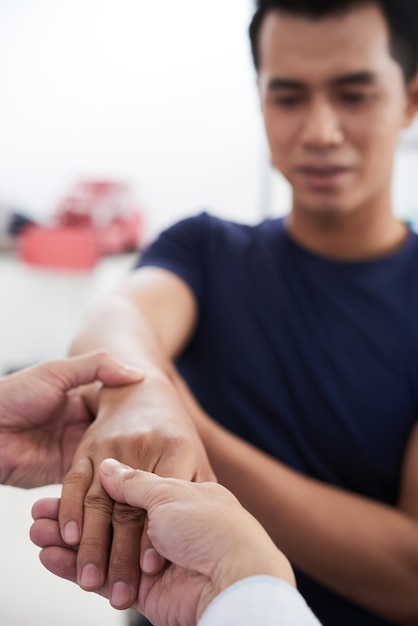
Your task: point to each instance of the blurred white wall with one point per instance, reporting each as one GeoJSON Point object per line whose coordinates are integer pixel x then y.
{"type": "Point", "coordinates": [159, 93]}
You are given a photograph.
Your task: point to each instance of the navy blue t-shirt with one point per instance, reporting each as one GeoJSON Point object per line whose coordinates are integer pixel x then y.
{"type": "Point", "coordinates": [313, 361]}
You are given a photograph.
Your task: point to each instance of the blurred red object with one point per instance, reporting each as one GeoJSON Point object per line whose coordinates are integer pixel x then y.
{"type": "Point", "coordinates": [64, 248]}
{"type": "Point", "coordinates": [96, 218]}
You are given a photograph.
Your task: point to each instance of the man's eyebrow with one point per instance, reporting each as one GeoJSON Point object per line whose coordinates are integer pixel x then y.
{"type": "Point", "coordinates": [355, 78]}
{"type": "Point", "coordinates": [284, 83]}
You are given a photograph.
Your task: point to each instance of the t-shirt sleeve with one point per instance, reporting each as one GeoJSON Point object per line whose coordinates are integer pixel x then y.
{"type": "Point", "coordinates": [259, 600]}
{"type": "Point", "coordinates": [181, 249]}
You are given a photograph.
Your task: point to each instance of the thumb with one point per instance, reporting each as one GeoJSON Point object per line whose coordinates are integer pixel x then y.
{"type": "Point", "coordinates": [124, 484]}
{"type": "Point", "coordinates": [93, 366]}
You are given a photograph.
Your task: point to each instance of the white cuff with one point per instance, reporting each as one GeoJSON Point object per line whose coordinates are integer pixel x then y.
{"type": "Point", "coordinates": [259, 600]}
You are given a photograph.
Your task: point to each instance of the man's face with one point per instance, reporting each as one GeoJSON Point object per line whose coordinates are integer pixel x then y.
{"type": "Point", "coordinates": [334, 101]}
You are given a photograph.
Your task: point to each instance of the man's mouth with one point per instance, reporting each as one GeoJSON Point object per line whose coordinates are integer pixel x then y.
{"type": "Point", "coordinates": [323, 176]}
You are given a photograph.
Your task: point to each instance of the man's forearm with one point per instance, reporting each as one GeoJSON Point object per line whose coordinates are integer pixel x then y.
{"type": "Point", "coordinates": [119, 326]}
{"type": "Point", "coordinates": [149, 319]}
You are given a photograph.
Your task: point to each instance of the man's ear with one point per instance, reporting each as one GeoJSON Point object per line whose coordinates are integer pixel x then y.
{"type": "Point", "coordinates": [412, 103]}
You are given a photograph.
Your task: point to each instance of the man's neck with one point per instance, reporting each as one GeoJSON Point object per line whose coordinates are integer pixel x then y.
{"type": "Point", "coordinates": [358, 236]}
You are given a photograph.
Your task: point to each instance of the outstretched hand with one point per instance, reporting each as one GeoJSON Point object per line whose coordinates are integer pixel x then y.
{"type": "Point", "coordinates": [42, 417]}
{"type": "Point", "coordinates": [207, 538]}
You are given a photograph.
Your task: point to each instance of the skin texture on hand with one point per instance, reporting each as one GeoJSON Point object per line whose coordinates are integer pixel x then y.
{"type": "Point", "coordinates": [43, 417]}
{"type": "Point", "coordinates": [208, 540]}
{"type": "Point", "coordinates": [147, 427]}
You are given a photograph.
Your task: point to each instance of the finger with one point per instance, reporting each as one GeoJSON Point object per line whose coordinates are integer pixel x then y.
{"type": "Point", "coordinates": [124, 484]}
{"type": "Point", "coordinates": [152, 563]}
{"type": "Point", "coordinates": [124, 572]}
{"type": "Point", "coordinates": [60, 561]}
{"type": "Point", "coordinates": [87, 368]}
{"type": "Point", "coordinates": [46, 532]}
{"type": "Point", "coordinates": [93, 550]}
{"type": "Point", "coordinates": [46, 508]}
{"type": "Point", "coordinates": [71, 509]}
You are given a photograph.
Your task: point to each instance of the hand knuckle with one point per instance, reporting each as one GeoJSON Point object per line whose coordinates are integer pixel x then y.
{"type": "Point", "coordinates": [124, 515]}
{"type": "Point", "coordinates": [99, 503]}
{"type": "Point", "coordinates": [121, 562]}
{"type": "Point", "coordinates": [77, 479]}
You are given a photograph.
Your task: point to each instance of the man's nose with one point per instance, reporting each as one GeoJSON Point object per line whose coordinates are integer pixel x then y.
{"type": "Point", "coordinates": [321, 129]}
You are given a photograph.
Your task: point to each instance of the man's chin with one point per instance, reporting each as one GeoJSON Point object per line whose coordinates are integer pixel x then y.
{"type": "Point", "coordinates": [327, 210]}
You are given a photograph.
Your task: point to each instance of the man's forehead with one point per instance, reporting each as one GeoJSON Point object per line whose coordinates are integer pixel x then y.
{"type": "Point", "coordinates": [337, 45]}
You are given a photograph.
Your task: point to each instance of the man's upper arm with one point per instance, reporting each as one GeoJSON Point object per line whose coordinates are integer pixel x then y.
{"type": "Point", "coordinates": [167, 302]}
{"type": "Point", "coordinates": [408, 492]}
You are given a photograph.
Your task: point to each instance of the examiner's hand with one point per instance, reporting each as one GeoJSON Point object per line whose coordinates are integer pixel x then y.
{"type": "Point", "coordinates": [42, 418]}
{"type": "Point", "coordinates": [208, 539]}
{"type": "Point", "coordinates": [147, 427]}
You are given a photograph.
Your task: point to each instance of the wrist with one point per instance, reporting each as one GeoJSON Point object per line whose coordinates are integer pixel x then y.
{"type": "Point", "coordinates": [250, 552]}
{"type": "Point", "coordinates": [150, 403]}
{"type": "Point", "coordinates": [273, 565]}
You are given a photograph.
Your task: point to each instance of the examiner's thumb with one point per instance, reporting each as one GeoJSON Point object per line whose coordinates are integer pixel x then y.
{"type": "Point", "coordinates": [96, 366]}
{"type": "Point", "coordinates": [125, 484]}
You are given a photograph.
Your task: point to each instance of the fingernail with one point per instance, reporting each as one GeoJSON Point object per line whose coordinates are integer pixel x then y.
{"type": "Point", "coordinates": [90, 576]}
{"type": "Point", "coordinates": [134, 371]}
{"type": "Point", "coordinates": [71, 534]}
{"type": "Point", "coordinates": [110, 467]}
{"type": "Point", "coordinates": [152, 562]}
{"type": "Point", "coordinates": [121, 595]}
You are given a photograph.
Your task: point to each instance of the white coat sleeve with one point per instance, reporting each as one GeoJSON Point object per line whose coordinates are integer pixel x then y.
{"type": "Point", "coordinates": [259, 600]}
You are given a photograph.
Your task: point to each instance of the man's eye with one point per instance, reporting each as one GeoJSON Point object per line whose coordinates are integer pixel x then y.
{"type": "Point", "coordinates": [353, 97]}
{"type": "Point", "coordinates": [288, 101]}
